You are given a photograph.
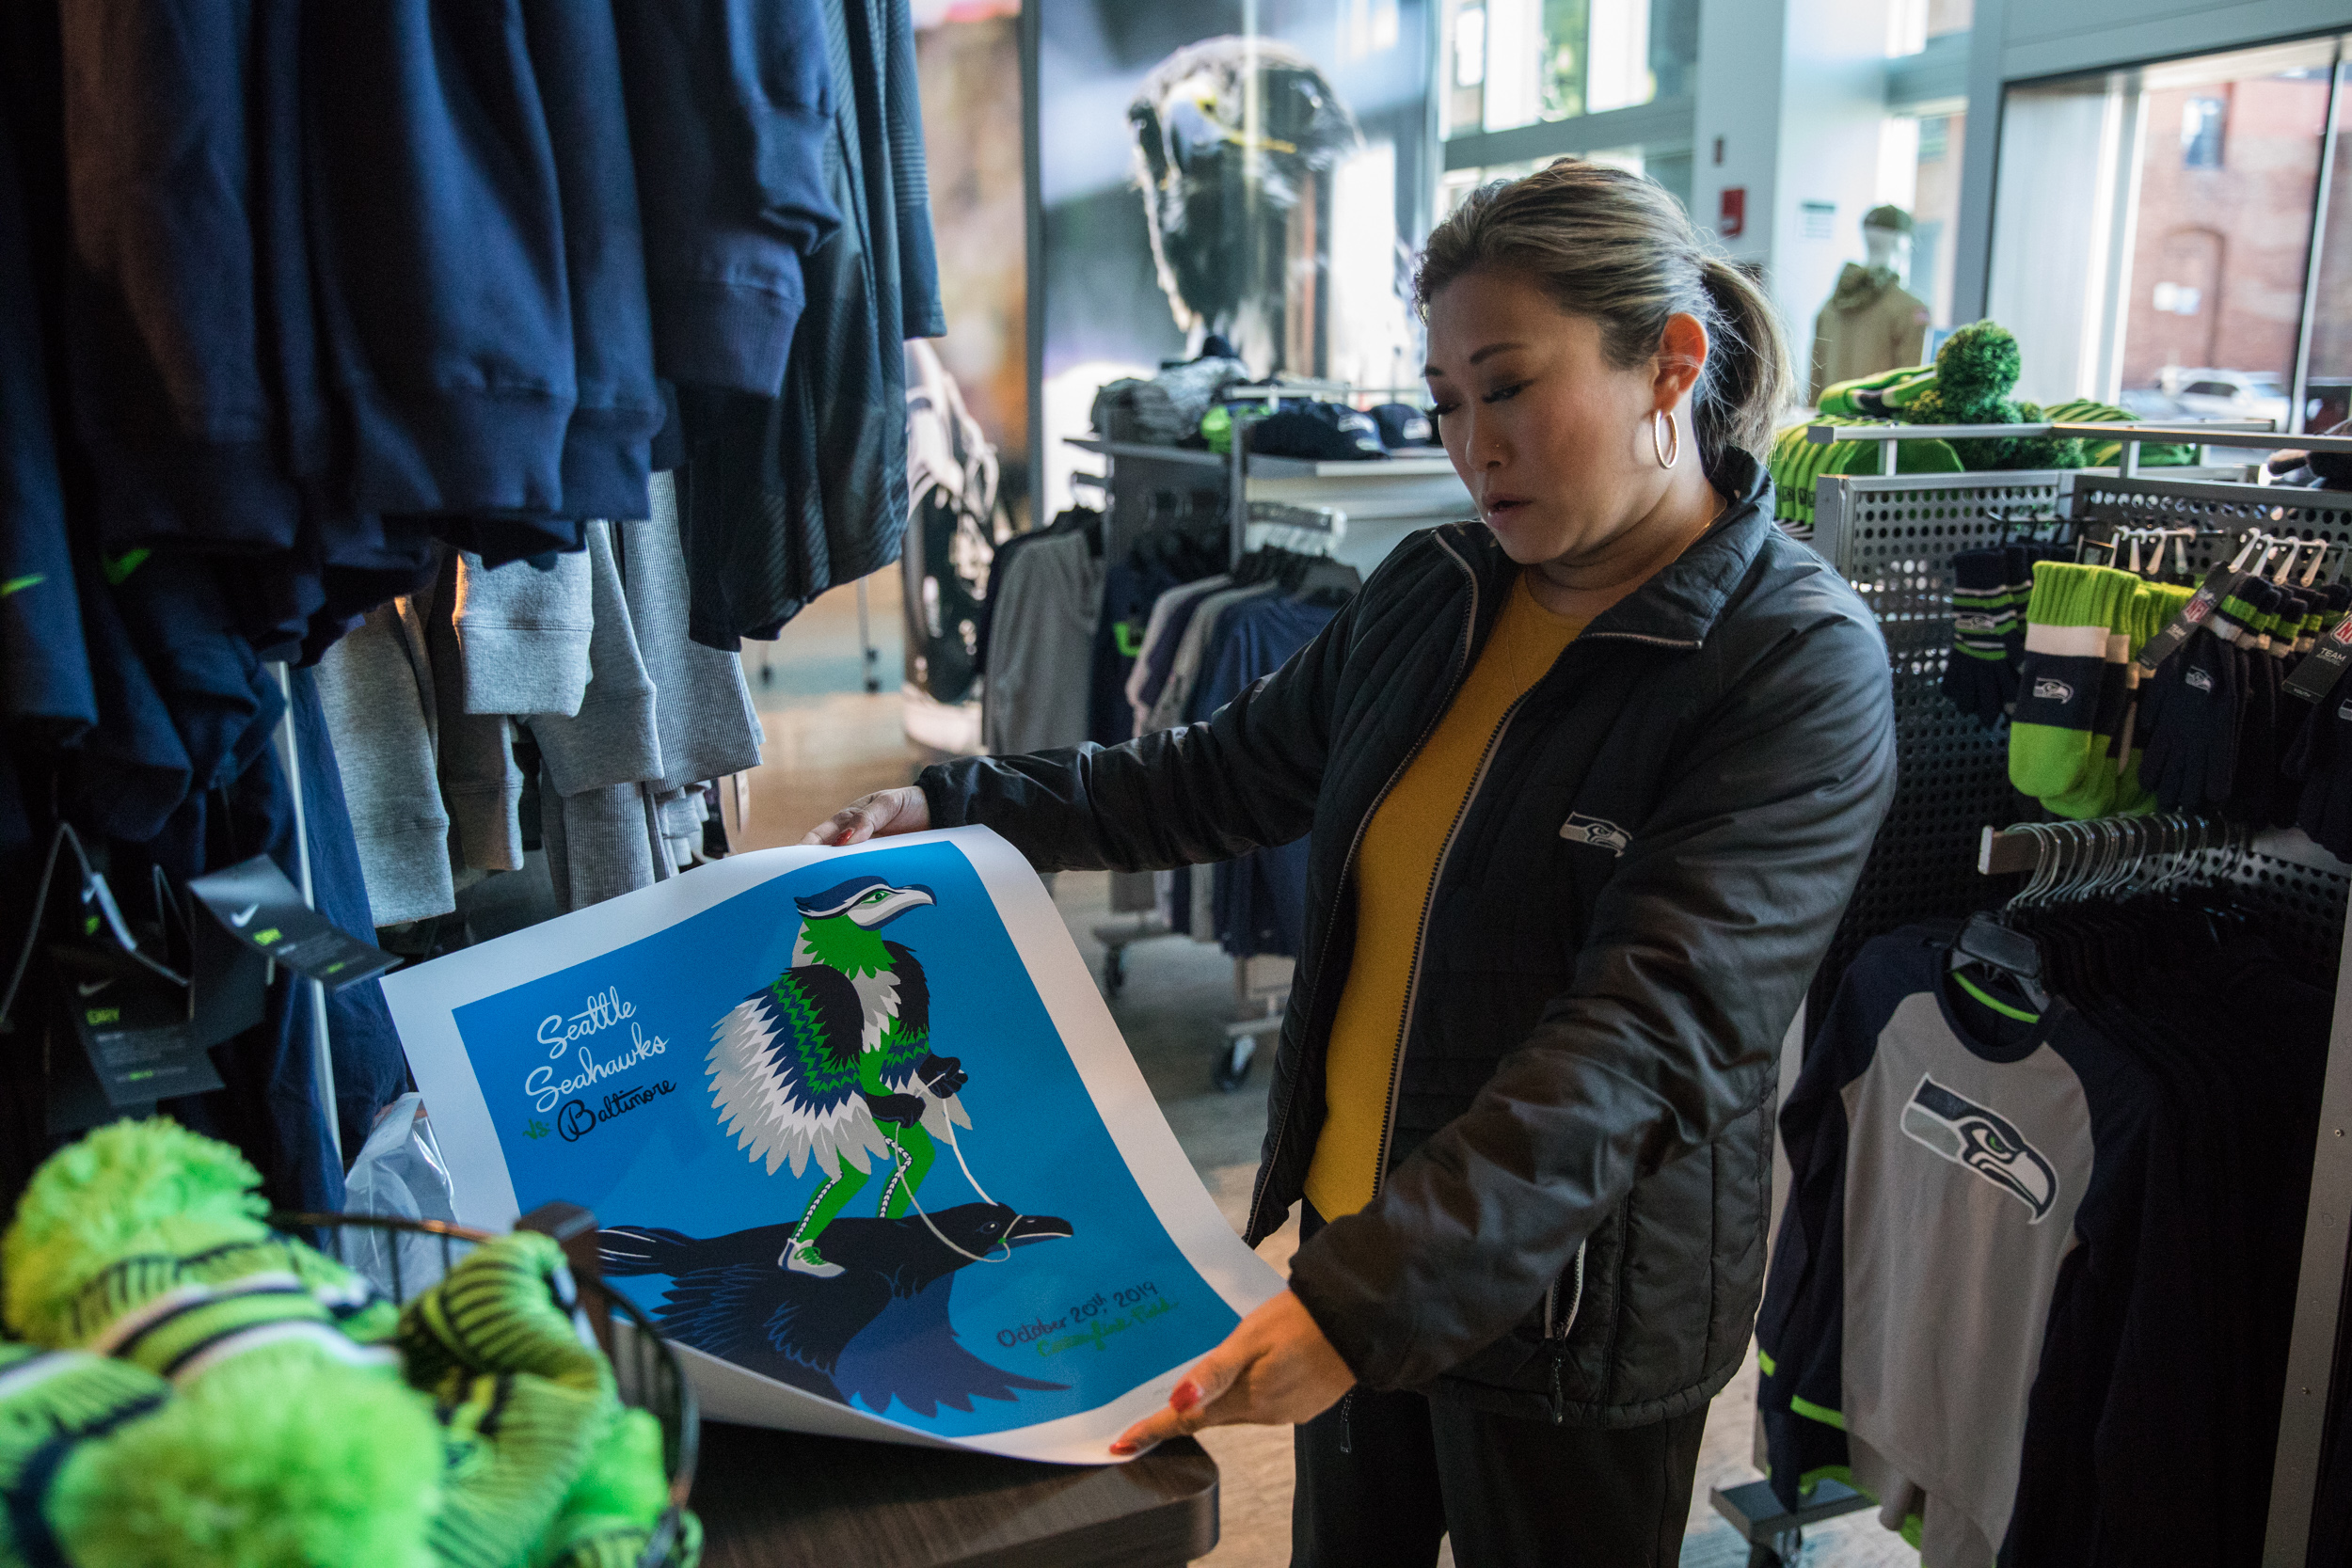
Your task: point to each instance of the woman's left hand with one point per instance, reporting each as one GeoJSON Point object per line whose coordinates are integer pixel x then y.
{"type": "Point", "coordinates": [1275, 1370]}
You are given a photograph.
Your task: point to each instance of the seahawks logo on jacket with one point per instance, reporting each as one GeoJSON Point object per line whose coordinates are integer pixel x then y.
{"type": "Point", "coordinates": [1969, 1135]}
{"type": "Point", "coordinates": [2199, 680]}
{"type": "Point", "coordinates": [1580, 829]}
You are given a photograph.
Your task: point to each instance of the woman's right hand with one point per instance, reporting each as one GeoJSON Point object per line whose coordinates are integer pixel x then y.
{"type": "Point", "coordinates": [876, 815]}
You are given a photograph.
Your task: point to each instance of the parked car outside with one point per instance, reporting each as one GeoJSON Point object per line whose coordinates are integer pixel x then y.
{"type": "Point", "coordinates": [2219, 394]}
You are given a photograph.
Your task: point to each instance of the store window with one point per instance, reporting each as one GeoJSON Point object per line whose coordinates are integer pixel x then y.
{"type": "Point", "coordinates": [1517, 63]}
{"type": "Point", "coordinates": [1671, 169]}
{"type": "Point", "coordinates": [1913, 24]}
{"type": "Point", "coordinates": [2153, 234]}
{"type": "Point", "coordinates": [1919, 172]}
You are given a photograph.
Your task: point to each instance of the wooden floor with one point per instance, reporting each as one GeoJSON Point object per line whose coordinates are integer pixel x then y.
{"type": "Point", "coordinates": [829, 741]}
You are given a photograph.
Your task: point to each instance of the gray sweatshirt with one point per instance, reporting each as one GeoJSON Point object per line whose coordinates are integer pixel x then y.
{"type": "Point", "coordinates": [524, 634]}
{"type": "Point", "coordinates": [375, 686]}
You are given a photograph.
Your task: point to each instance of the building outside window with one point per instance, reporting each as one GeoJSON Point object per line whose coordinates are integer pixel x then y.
{"type": "Point", "coordinates": [2154, 239]}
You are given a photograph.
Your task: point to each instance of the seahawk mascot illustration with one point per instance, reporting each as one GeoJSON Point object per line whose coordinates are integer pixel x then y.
{"type": "Point", "coordinates": [831, 1062]}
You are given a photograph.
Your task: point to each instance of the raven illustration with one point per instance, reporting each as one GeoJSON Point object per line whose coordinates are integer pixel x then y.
{"type": "Point", "coordinates": [874, 1331]}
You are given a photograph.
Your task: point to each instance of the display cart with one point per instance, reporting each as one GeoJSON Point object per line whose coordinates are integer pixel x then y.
{"type": "Point", "coordinates": [1893, 537]}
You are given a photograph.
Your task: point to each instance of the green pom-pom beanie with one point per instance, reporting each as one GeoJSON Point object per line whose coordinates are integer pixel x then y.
{"type": "Point", "coordinates": [259, 1464]}
{"type": "Point", "coordinates": [127, 1188]}
{"type": "Point", "coordinates": [612, 1510]}
{"type": "Point", "coordinates": [56, 1409]}
{"type": "Point", "coordinates": [138, 1209]}
{"type": "Point", "coordinates": [495, 1311]}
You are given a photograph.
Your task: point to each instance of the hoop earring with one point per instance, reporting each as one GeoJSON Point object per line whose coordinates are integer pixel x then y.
{"type": "Point", "coordinates": [1669, 448]}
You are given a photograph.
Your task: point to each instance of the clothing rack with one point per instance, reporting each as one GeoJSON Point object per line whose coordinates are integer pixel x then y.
{"type": "Point", "coordinates": [1893, 537]}
{"type": "Point", "coordinates": [2064, 853]}
{"type": "Point", "coordinates": [322, 1050]}
{"type": "Point", "coordinates": [1249, 524]}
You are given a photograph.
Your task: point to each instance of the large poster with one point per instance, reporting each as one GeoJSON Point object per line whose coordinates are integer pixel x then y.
{"type": "Point", "coordinates": [1259, 169]}
{"type": "Point", "coordinates": [861, 1136]}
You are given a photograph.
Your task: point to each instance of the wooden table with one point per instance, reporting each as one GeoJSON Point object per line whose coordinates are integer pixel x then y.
{"type": "Point", "coordinates": [778, 1499]}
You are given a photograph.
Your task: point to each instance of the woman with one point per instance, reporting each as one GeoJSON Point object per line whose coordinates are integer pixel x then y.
{"type": "Point", "coordinates": [1589, 782]}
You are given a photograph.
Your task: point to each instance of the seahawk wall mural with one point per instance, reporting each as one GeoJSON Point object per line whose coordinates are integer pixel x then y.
{"type": "Point", "coordinates": [838, 1139]}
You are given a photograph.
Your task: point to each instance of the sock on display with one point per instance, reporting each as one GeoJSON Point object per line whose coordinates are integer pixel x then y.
{"type": "Point", "coordinates": [2096, 792]}
{"type": "Point", "coordinates": [2017, 568]}
{"type": "Point", "coordinates": [2195, 707]}
{"type": "Point", "coordinates": [2322, 760]}
{"type": "Point", "coordinates": [1977, 672]}
{"type": "Point", "coordinates": [2153, 609]}
{"type": "Point", "coordinates": [2258, 711]}
{"type": "Point", "coordinates": [2067, 629]}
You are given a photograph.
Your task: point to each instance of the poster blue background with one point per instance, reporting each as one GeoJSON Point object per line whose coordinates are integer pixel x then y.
{"type": "Point", "coordinates": [1036, 1141]}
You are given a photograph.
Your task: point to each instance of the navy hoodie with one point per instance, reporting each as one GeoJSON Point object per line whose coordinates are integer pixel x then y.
{"type": "Point", "coordinates": [437, 224]}
{"type": "Point", "coordinates": [164, 335]}
{"type": "Point", "coordinates": [730, 109]}
{"type": "Point", "coordinates": [48, 680]}
{"type": "Point", "coordinates": [575, 51]}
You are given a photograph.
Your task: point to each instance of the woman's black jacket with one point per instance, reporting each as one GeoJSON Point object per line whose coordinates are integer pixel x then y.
{"type": "Point", "coordinates": [1571, 1218]}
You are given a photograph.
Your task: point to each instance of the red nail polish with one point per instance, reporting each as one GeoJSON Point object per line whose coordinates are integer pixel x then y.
{"type": "Point", "coordinates": [1123, 1445]}
{"type": "Point", "coordinates": [1185, 1395]}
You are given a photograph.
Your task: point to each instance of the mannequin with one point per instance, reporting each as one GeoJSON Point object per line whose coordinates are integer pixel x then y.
{"type": "Point", "coordinates": [1871, 322]}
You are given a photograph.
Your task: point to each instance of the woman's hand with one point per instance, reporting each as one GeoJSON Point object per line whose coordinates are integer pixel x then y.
{"type": "Point", "coordinates": [1275, 1370]}
{"type": "Point", "coordinates": [876, 815]}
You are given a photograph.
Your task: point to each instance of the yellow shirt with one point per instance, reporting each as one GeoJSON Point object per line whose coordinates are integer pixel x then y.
{"type": "Point", "coordinates": [1395, 868]}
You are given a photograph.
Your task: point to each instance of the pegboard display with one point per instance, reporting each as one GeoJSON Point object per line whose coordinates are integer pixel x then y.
{"type": "Point", "coordinates": [2101, 502]}
{"type": "Point", "coordinates": [1893, 537]}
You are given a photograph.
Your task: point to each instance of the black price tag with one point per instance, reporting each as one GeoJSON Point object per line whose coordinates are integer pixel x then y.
{"type": "Point", "coordinates": [2317, 674]}
{"type": "Point", "coordinates": [133, 1029]}
{"type": "Point", "coordinates": [255, 903]}
{"type": "Point", "coordinates": [228, 981]}
{"type": "Point", "coordinates": [2218, 585]}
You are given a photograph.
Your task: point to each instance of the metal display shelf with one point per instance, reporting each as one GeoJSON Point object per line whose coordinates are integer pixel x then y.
{"type": "Point", "coordinates": [2258, 434]}
{"type": "Point", "coordinates": [1419, 463]}
{"type": "Point", "coordinates": [1383, 501]}
{"type": "Point", "coordinates": [1893, 537]}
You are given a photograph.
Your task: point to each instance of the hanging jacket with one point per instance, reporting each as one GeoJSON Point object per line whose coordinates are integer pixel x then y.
{"type": "Point", "coordinates": [166, 336]}
{"type": "Point", "coordinates": [47, 689]}
{"type": "Point", "coordinates": [437, 232]}
{"type": "Point", "coordinates": [791, 492]}
{"type": "Point", "coordinates": [574, 55]}
{"type": "Point", "coordinates": [1570, 1222]}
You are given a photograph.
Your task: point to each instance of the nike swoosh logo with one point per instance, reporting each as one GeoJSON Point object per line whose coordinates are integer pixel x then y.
{"type": "Point", "coordinates": [17, 585]}
{"type": "Point", "coordinates": [91, 988]}
{"type": "Point", "coordinates": [245, 917]}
